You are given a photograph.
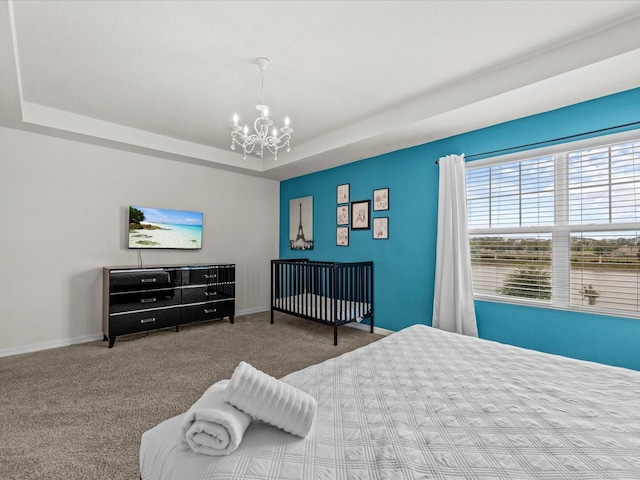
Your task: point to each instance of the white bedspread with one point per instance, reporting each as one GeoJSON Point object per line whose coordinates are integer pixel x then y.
{"type": "Point", "coordinates": [426, 404]}
{"type": "Point", "coordinates": [320, 307]}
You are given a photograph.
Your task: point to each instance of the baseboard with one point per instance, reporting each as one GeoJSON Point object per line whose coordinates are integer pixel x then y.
{"type": "Point", "coordinates": [363, 326]}
{"type": "Point", "coordinates": [240, 313]}
{"type": "Point", "coordinates": [46, 346]}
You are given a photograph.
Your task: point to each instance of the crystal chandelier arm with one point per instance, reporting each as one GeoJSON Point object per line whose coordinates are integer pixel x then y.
{"type": "Point", "coordinates": [245, 141]}
{"type": "Point", "coordinates": [261, 126]}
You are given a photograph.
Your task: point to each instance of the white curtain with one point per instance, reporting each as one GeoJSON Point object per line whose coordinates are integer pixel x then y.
{"type": "Point", "coordinates": [453, 308]}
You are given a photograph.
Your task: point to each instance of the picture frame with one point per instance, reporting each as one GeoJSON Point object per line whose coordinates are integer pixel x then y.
{"type": "Point", "coordinates": [342, 236]}
{"type": "Point", "coordinates": [342, 214]}
{"type": "Point", "coordinates": [381, 199]}
{"type": "Point", "coordinates": [342, 193]}
{"type": "Point", "coordinates": [301, 223]}
{"type": "Point", "coordinates": [360, 215]}
{"type": "Point", "coordinates": [381, 228]}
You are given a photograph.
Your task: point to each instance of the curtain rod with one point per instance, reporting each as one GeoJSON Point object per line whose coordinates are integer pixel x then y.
{"type": "Point", "coordinates": [543, 142]}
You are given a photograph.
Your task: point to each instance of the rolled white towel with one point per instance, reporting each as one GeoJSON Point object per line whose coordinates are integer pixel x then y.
{"type": "Point", "coordinates": [271, 400]}
{"type": "Point", "coordinates": [211, 426]}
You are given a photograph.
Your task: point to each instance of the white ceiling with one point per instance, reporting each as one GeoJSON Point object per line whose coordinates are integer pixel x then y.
{"type": "Point", "coordinates": [357, 78]}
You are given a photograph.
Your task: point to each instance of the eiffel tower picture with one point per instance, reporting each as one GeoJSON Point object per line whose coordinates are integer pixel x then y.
{"type": "Point", "coordinates": [300, 237]}
{"type": "Point", "coordinates": [301, 213]}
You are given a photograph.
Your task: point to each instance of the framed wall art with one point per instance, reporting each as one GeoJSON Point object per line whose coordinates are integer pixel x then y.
{"type": "Point", "coordinates": [343, 193]}
{"type": "Point", "coordinates": [360, 215]}
{"type": "Point", "coordinates": [343, 215]}
{"type": "Point", "coordinates": [381, 228]}
{"type": "Point", "coordinates": [381, 199]}
{"type": "Point", "coordinates": [301, 223]}
{"type": "Point", "coordinates": [342, 236]}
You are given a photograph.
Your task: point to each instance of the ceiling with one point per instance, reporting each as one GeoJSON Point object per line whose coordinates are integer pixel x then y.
{"type": "Point", "coordinates": [357, 78]}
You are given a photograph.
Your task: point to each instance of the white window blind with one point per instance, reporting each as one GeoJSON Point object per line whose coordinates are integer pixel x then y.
{"type": "Point", "coordinates": [560, 230]}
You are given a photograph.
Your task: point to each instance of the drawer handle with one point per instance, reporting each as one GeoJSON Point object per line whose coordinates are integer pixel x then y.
{"type": "Point", "coordinates": [148, 320]}
{"type": "Point", "coordinates": [210, 293]}
{"type": "Point", "coordinates": [148, 300]}
{"type": "Point", "coordinates": [148, 280]}
{"type": "Point", "coordinates": [210, 310]}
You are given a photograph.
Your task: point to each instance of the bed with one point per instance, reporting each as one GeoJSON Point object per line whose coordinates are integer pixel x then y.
{"type": "Point", "coordinates": [427, 404]}
{"type": "Point", "coordinates": [332, 293]}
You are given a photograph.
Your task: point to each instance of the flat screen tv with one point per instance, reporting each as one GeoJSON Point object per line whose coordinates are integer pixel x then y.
{"type": "Point", "coordinates": [162, 228]}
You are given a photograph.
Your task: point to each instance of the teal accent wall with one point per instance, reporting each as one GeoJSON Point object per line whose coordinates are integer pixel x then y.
{"type": "Point", "coordinates": [404, 265]}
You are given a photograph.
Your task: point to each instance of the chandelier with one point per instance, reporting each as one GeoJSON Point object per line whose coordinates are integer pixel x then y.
{"type": "Point", "coordinates": [258, 141]}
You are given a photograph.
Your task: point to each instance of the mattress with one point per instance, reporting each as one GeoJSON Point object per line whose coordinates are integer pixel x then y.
{"type": "Point", "coordinates": [321, 308]}
{"type": "Point", "coordinates": [427, 404]}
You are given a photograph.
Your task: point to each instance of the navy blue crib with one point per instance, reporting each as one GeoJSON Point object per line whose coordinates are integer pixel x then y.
{"type": "Point", "coordinates": [333, 293]}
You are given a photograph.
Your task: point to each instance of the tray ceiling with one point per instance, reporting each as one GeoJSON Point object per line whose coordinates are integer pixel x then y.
{"type": "Point", "coordinates": [357, 79]}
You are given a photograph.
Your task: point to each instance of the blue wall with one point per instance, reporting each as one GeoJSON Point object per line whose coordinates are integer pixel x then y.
{"type": "Point", "coordinates": [405, 263]}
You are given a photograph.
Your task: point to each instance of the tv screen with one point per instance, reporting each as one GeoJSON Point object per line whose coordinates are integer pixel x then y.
{"type": "Point", "coordinates": [162, 228]}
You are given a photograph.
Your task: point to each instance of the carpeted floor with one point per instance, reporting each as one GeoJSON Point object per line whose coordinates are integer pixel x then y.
{"type": "Point", "coordinates": [78, 412]}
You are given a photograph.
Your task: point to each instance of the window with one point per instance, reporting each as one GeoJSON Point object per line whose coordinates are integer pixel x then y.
{"type": "Point", "coordinates": [561, 230]}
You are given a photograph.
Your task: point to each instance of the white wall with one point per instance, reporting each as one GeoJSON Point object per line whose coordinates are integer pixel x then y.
{"type": "Point", "coordinates": [63, 216]}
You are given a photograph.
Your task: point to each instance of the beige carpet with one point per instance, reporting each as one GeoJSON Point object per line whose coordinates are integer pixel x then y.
{"type": "Point", "coordinates": [78, 412]}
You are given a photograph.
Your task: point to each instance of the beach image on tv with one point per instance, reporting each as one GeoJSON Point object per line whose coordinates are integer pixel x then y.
{"type": "Point", "coordinates": [161, 228]}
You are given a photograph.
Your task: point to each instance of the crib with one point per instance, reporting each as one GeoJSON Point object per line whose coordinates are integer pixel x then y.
{"type": "Point", "coordinates": [333, 293]}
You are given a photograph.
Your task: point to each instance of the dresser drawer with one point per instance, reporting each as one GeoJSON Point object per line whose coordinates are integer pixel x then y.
{"type": "Point", "coordinates": [208, 275]}
{"type": "Point", "coordinates": [207, 311]}
{"type": "Point", "coordinates": [141, 321]}
{"type": "Point", "coordinates": [207, 293]}
{"type": "Point", "coordinates": [124, 281]}
{"type": "Point", "coordinates": [139, 300]}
